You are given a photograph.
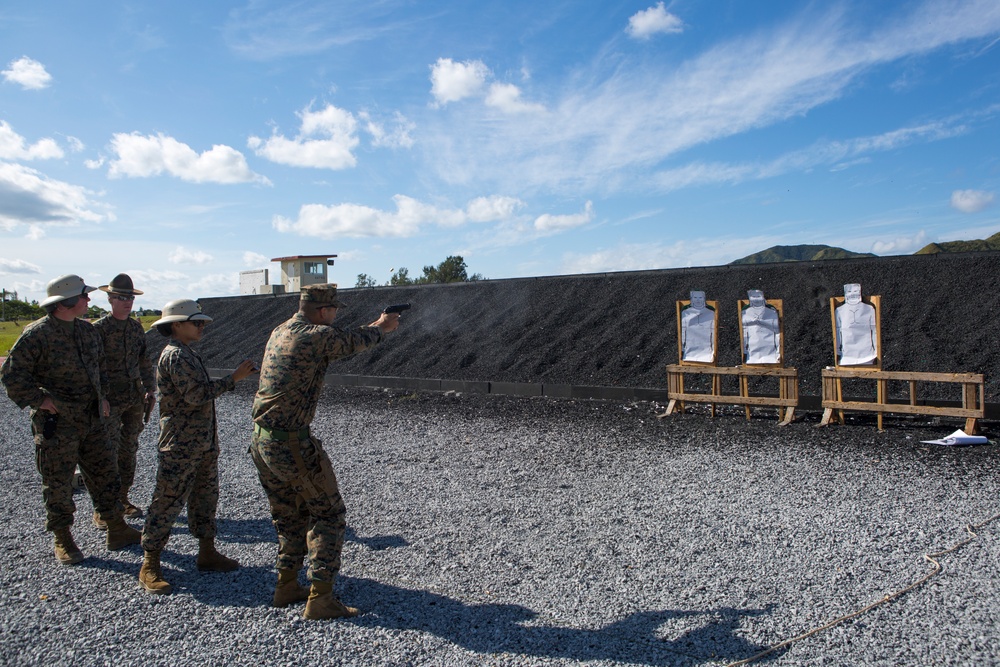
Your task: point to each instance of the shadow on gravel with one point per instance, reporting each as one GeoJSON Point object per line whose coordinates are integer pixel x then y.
{"type": "Point", "coordinates": [501, 628]}
{"type": "Point", "coordinates": [252, 531]}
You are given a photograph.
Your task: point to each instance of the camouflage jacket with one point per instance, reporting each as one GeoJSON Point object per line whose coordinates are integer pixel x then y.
{"type": "Point", "coordinates": [48, 360]}
{"type": "Point", "coordinates": [187, 400]}
{"type": "Point", "coordinates": [130, 372]}
{"type": "Point", "coordinates": [295, 361]}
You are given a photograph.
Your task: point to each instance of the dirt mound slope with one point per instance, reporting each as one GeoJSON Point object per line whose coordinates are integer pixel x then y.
{"type": "Point", "coordinates": [619, 329]}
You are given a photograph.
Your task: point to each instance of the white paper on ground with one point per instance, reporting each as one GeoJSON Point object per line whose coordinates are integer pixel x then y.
{"type": "Point", "coordinates": [959, 437]}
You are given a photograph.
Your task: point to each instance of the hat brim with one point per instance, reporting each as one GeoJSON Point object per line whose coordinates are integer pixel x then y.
{"type": "Point", "coordinates": [170, 319]}
{"type": "Point", "coordinates": [112, 290]}
{"type": "Point", "coordinates": [87, 289]}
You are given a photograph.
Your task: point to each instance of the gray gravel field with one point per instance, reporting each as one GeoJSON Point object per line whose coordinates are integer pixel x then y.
{"type": "Point", "coordinates": [489, 530]}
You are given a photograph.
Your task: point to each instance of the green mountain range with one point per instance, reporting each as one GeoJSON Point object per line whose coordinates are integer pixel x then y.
{"type": "Point", "coordinates": [992, 243]}
{"type": "Point", "coordinates": [799, 253]}
{"type": "Point", "coordinates": [817, 253]}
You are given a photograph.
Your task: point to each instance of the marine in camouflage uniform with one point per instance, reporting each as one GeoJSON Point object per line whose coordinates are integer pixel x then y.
{"type": "Point", "coordinates": [57, 368]}
{"type": "Point", "coordinates": [306, 506]}
{"type": "Point", "coordinates": [188, 470]}
{"type": "Point", "coordinates": [130, 379]}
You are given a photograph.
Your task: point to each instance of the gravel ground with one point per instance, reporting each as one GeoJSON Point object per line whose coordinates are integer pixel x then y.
{"type": "Point", "coordinates": [487, 530]}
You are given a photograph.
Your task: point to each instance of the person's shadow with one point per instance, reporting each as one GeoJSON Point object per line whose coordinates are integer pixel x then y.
{"type": "Point", "coordinates": [492, 629]}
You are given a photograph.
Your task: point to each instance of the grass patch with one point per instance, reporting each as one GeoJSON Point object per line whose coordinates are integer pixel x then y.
{"type": "Point", "coordinates": [8, 335]}
{"type": "Point", "coordinates": [9, 331]}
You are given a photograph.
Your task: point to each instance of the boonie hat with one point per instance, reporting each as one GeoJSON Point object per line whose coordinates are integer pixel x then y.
{"type": "Point", "coordinates": [322, 295]}
{"type": "Point", "coordinates": [120, 284]}
{"type": "Point", "coordinates": [65, 287]}
{"type": "Point", "coordinates": [181, 310]}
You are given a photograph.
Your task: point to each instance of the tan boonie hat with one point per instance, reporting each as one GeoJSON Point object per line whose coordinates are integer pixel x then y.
{"type": "Point", "coordinates": [321, 295]}
{"type": "Point", "coordinates": [181, 310]}
{"type": "Point", "coordinates": [65, 287]}
{"type": "Point", "coordinates": [120, 284]}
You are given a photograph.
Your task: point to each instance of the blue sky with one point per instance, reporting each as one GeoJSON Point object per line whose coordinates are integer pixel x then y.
{"type": "Point", "coordinates": [184, 142]}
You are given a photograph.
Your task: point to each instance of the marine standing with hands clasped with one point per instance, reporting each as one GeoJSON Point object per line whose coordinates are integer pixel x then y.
{"type": "Point", "coordinates": [57, 367]}
{"type": "Point", "coordinates": [188, 469]}
{"type": "Point", "coordinates": [131, 389]}
{"type": "Point", "coordinates": [306, 507]}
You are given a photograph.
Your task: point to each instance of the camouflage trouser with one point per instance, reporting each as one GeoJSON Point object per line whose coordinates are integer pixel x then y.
{"type": "Point", "coordinates": [80, 439]}
{"type": "Point", "coordinates": [306, 506]}
{"type": "Point", "coordinates": [125, 426]}
{"type": "Point", "coordinates": [183, 477]}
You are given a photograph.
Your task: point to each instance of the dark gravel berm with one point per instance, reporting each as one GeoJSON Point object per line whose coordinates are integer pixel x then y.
{"type": "Point", "coordinates": [939, 313]}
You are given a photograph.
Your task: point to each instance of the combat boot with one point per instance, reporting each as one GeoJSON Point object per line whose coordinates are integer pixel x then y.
{"type": "Point", "coordinates": [131, 511]}
{"type": "Point", "coordinates": [66, 550]}
{"type": "Point", "coordinates": [210, 560]}
{"type": "Point", "coordinates": [120, 534]}
{"type": "Point", "coordinates": [150, 575]}
{"type": "Point", "coordinates": [289, 591]}
{"type": "Point", "coordinates": [99, 523]}
{"type": "Point", "coordinates": [322, 604]}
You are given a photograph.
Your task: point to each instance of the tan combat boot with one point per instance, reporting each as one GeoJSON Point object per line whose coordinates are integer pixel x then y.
{"type": "Point", "coordinates": [150, 575]}
{"type": "Point", "coordinates": [210, 560]}
{"type": "Point", "coordinates": [321, 603]}
{"type": "Point", "coordinates": [66, 550]}
{"type": "Point", "coordinates": [99, 523]}
{"type": "Point", "coordinates": [131, 511]}
{"type": "Point", "coordinates": [289, 591]}
{"type": "Point", "coordinates": [120, 534]}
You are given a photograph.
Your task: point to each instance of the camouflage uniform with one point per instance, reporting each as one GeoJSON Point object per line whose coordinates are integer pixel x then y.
{"type": "Point", "coordinates": [130, 378]}
{"type": "Point", "coordinates": [64, 361]}
{"type": "Point", "coordinates": [188, 468]}
{"type": "Point", "coordinates": [306, 506]}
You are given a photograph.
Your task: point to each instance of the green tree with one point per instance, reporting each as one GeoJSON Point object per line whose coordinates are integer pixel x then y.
{"type": "Point", "coordinates": [401, 277]}
{"type": "Point", "coordinates": [451, 270]}
{"type": "Point", "coordinates": [13, 309]}
{"type": "Point", "coordinates": [95, 313]}
{"type": "Point", "coordinates": [365, 280]}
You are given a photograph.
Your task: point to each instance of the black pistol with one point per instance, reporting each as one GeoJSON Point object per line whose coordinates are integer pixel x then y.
{"type": "Point", "coordinates": [397, 309]}
{"type": "Point", "coordinates": [49, 423]}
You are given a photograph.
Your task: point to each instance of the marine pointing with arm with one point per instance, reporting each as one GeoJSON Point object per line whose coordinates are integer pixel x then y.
{"type": "Point", "coordinates": [298, 478]}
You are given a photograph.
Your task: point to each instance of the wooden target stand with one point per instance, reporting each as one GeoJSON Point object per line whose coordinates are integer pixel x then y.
{"type": "Point", "coordinates": [788, 378]}
{"type": "Point", "coordinates": [973, 385]}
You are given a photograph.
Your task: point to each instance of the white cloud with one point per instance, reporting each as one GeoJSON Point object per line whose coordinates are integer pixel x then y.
{"type": "Point", "coordinates": [838, 154]}
{"type": "Point", "coordinates": [35, 232]}
{"type": "Point", "coordinates": [182, 255]}
{"type": "Point", "coordinates": [493, 208]}
{"type": "Point", "coordinates": [325, 141]}
{"type": "Point", "coordinates": [29, 74]}
{"type": "Point", "coordinates": [645, 256]}
{"type": "Point", "coordinates": [603, 131]}
{"type": "Point", "coordinates": [18, 266]}
{"type": "Point", "coordinates": [507, 98]}
{"type": "Point", "coordinates": [216, 284]}
{"type": "Point", "coordinates": [648, 22]}
{"type": "Point", "coordinates": [29, 197]}
{"type": "Point", "coordinates": [254, 259]}
{"type": "Point", "coordinates": [141, 156]}
{"type": "Point", "coordinates": [396, 137]}
{"type": "Point", "coordinates": [549, 223]}
{"type": "Point", "coordinates": [900, 245]}
{"type": "Point", "coordinates": [452, 81]}
{"type": "Point", "coordinates": [971, 201]}
{"type": "Point", "coordinates": [355, 220]}
{"type": "Point", "coordinates": [14, 147]}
